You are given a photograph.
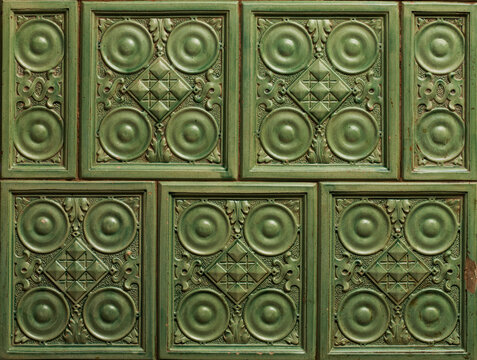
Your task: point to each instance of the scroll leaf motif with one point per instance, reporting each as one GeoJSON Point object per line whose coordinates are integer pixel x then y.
{"type": "Point", "coordinates": [181, 205]}
{"type": "Point", "coordinates": [76, 332]}
{"type": "Point", "coordinates": [132, 338]}
{"type": "Point", "coordinates": [216, 23]}
{"type": "Point", "coordinates": [236, 333]}
{"type": "Point", "coordinates": [29, 86]}
{"type": "Point", "coordinates": [158, 150]}
{"type": "Point", "coordinates": [109, 90]}
{"type": "Point", "coordinates": [262, 157]}
{"type": "Point", "coordinates": [237, 211]}
{"type": "Point", "coordinates": [319, 30]}
{"type": "Point", "coordinates": [214, 156]}
{"type": "Point", "coordinates": [347, 270]}
{"type": "Point", "coordinates": [127, 270]}
{"type": "Point", "coordinates": [398, 210]}
{"type": "Point", "coordinates": [289, 271]}
{"type": "Point", "coordinates": [267, 91]}
{"type": "Point", "coordinates": [439, 91]}
{"type": "Point", "coordinates": [263, 24]}
{"type": "Point", "coordinates": [319, 151]}
{"type": "Point", "coordinates": [449, 269]}
{"type": "Point", "coordinates": [26, 271]}
{"type": "Point", "coordinates": [397, 333]}
{"type": "Point", "coordinates": [179, 337]}
{"type": "Point", "coordinates": [370, 90]}
{"type": "Point", "coordinates": [76, 209]}
{"type": "Point", "coordinates": [19, 338]}
{"type": "Point", "coordinates": [341, 204]}
{"type": "Point", "coordinates": [375, 156]}
{"type": "Point", "coordinates": [292, 338]}
{"type": "Point", "coordinates": [101, 156]}
{"type": "Point", "coordinates": [185, 271]}
{"type": "Point", "coordinates": [160, 29]}
{"type": "Point", "coordinates": [340, 339]}
{"type": "Point", "coordinates": [454, 338]}
{"type": "Point", "coordinates": [210, 89]}
{"type": "Point", "coordinates": [20, 203]}
{"type": "Point", "coordinates": [455, 205]}
{"type": "Point", "coordinates": [105, 23]}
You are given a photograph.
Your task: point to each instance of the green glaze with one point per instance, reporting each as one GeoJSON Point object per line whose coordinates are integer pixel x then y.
{"type": "Point", "coordinates": [320, 90]}
{"type": "Point", "coordinates": [409, 292]}
{"type": "Point", "coordinates": [438, 105]}
{"type": "Point", "coordinates": [39, 105]}
{"type": "Point", "coordinates": [159, 90]}
{"type": "Point", "coordinates": [251, 293]}
{"type": "Point", "coordinates": [79, 273]}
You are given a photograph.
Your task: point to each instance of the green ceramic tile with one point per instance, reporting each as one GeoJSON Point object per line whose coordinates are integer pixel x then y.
{"type": "Point", "coordinates": [237, 264]}
{"type": "Point", "coordinates": [160, 89]}
{"type": "Point", "coordinates": [438, 83]}
{"type": "Point", "coordinates": [78, 278]}
{"type": "Point", "coordinates": [395, 260]}
{"type": "Point", "coordinates": [39, 101]}
{"type": "Point", "coordinates": [311, 70]}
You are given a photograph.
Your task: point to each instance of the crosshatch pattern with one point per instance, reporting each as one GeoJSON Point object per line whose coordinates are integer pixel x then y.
{"type": "Point", "coordinates": [202, 120]}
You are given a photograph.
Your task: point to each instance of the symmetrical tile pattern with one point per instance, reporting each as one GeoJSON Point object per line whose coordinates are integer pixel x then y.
{"type": "Point", "coordinates": [397, 255]}
{"type": "Point", "coordinates": [39, 96]}
{"type": "Point", "coordinates": [77, 268]}
{"type": "Point", "coordinates": [242, 260]}
{"type": "Point", "coordinates": [438, 76]}
{"type": "Point", "coordinates": [157, 97]}
{"type": "Point", "coordinates": [319, 91]}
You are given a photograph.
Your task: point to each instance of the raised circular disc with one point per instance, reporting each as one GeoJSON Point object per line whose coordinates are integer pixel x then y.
{"type": "Point", "coordinates": [352, 134]}
{"type": "Point", "coordinates": [364, 228]}
{"type": "Point", "coordinates": [286, 47]}
{"type": "Point", "coordinates": [431, 227]}
{"type": "Point", "coordinates": [38, 133]}
{"type": "Point", "coordinates": [193, 46]}
{"type": "Point", "coordinates": [39, 45]}
{"type": "Point", "coordinates": [126, 47]}
{"type": "Point", "coordinates": [352, 47]}
{"type": "Point", "coordinates": [42, 313]}
{"type": "Point", "coordinates": [270, 315]}
{"type": "Point", "coordinates": [363, 316]}
{"type": "Point", "coordinates": [440, 135]}
{"type": "Point", "coordinates": [110, 226]}
{"type": "Point", "coordinates": [192, 134]}
{"type": "Point", "coordinates": [286, 134]}
{"type": "Point", "coordinates": [203, 315]}
{"type": "Point", "coordinates": [439, 47]}
{"type": "Point", "coordinates": [125, 133]}
{"type": "Point", "coordinates": [203, 229]}
{"type": "Point", "coordinates": [270, 229]}
{"type": "Point", "coordinates": [109, 314]}
{"type": "Point", "coordinates": [430, 315]}
{"type": "Point", "coordinates": [43, 226]}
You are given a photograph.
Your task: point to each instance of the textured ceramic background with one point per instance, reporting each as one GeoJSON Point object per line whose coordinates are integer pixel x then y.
{"type": "Point", "coordinates": [155, 98]}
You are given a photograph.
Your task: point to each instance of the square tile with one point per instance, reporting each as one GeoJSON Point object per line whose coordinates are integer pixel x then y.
{"type": "Point", "coordinates": [160, 90]}
{"type": "Point", "coordinates": [238, 265]}
{"type": "Point", "coordinates": [395, 264]}
{"type": "Point", "coordinates": [438, 81]}
{"type": "Point", "coordinates": [320, 90]}
{"type": "Point", "coordinates": [39, 102]}
{"type": "Point", "coordinates": [79, 270]}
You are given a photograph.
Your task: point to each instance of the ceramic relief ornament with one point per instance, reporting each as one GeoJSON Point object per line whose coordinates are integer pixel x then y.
{"type": "Point", "coordinates": [323, 101]}
{"type": "Point", "coordinates": [157, 92]}
{"type": "Point", "coordinates": [397, 270]}
{"type": "Point", "coordinates": [39, 114]}
{"type": "Point", "coordinates": [438, 105]}
{"type": "Point", "coordinates": [78, 265]}
{"type": "Point", "coordinates": [238, 279]}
